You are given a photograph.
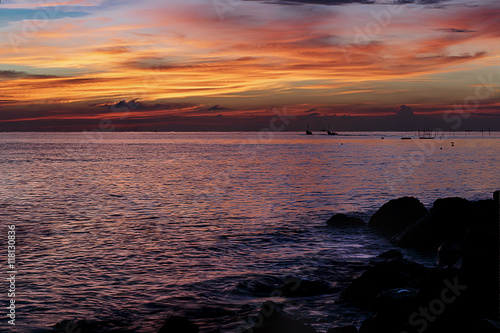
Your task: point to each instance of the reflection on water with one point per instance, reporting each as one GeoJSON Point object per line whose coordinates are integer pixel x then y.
{"type": "Point", "coordinates": [135, 226]}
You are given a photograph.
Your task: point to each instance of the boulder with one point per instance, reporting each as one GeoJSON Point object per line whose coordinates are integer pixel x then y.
{"type": "Point", "coordinates": [448, 254]}
{"type": "Point", "coordinates": [395, 301]}
{"type": "Point", "coordinates": [488, 326]}
{"type": "Point", "coordinates": [391, 274]}
{"type": "Point", "coordinates": [479, 270]}
{"type": "Point", "coordinates": [447, 221]}
{"type": "Point", "coordinates": [397, 214]}
{"type": "Point", "coordinates": [178, 324]}
{"type": "Point", "coordinates": [342, 220]}
{"type": "Point", "coordinates": [345, 329]}
{"type": "Point", "coordinates": [483, 212]}
{"type": "Point", "coordinates": [76, 325]}
{"type": "Point", "coordinates": [496, 199]}
{"type": "Point", "coordinates": [385, 324]}
{"type": "Point", "coordinates": [270, 319]}
{"type": "Point", "coordinates": [390, 254]}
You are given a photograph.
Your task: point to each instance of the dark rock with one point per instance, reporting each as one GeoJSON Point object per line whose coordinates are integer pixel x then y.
{"type": "Point", "coordinates": [448, 254]}
{"type": "Point", "coordinates": [397, 214]}
{"type": "Point", "coordinates": [483, 212]}
{"type": "Point", "coordinates": [496, 198]}
{"type": "Point", "coordinates": [342, 220]}
{"type": "Point", "coordinates": [345, 329]}
{"type": "Point", "coordinates": [76, 325]}
{"type": "Point", "coordinates": [488, 326]}
{"type": "Point", "coordinates": [273, 320]}
{"type": "Point", "coordinates": [479, 270]}
{"type": "Point", "coordinates": [447, 221]}
{"type": "Point", "coordinates": [457, 297]}
{"type": "Point", "coordinates": [395, 301]}
{"type": "Point", "coordinates": [385, 324]}
{"type": "Point", "coordinates": [390, 254]}
{"type": "Point", "coordinates": [434, 283]}
{"type": "Point", "coordinates": [454, 303]}
{"type": "Point", "coordinates": [391, 274]}
{"type": "Point", "coordinates": [177, 324]}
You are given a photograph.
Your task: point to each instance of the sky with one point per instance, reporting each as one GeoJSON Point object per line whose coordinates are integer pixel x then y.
{"type": "Point", "coordinates": [236, 64]}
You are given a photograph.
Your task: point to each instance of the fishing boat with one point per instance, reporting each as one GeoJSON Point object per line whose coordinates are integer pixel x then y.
{"type": "Point", "coordinates": [308, 132]}
{"type": "Point", "coordinates": [330, 132]}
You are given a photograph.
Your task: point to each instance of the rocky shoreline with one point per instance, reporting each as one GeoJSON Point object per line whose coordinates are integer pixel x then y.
{"type": "Point", "coordinates": [459, 294]}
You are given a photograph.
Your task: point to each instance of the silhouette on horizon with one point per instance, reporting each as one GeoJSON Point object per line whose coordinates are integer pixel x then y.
{"type": "Point", "coordinates": [308, 132]}
{"type": "Point", "coordinates": [329, 132]}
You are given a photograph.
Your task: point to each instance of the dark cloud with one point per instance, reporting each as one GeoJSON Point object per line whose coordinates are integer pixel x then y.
{"type": "Point", "coordinates": [113, 50]}
{"type": "Point", "coordinates": [310, 110]}
{"type": "Point", "coordinates": [449, 58]}
{"type": "Point", "coordinates": [246, 59]}
{"type": "Point", "coordinates": [456, 30]}
{"type": "Point", "coordinates": [133, 104]}
{"type": "Point", "coordinates": [137, 105]}
{"type": "Point", "coordinates": [7, 101]}
{"type": "Point", "coordinates": [319, 2]}
{"type": "Point", "coordinates": [9, 74]}
{"type": "Point", "coordinates": [217, 108]}
{"type": "Point", "coordinates": [347, 2]}
{"type": "Point", "coordinates": [404, 111]}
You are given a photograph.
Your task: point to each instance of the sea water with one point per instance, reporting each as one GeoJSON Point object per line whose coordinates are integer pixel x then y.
{"type": "Point", "coordinates": [126, 229]}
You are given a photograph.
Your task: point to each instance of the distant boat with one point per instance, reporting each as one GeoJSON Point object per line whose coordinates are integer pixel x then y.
{"type": "Point", "coordinates": [330, 132]}
{"type": "Point", "coordinates": [308, 132]}
{"type": "Point", "coordinates": [406, 138]}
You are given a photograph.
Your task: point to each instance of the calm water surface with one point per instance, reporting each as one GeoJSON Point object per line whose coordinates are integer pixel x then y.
{"type": "Point", "coordinates": [124, 229]}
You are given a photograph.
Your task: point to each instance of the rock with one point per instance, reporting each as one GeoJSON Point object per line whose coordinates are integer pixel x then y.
{"type": "Point", "coordinates": [457, 297]}
{"type": "Point", "coordinates": [391, 274]}
{"type": "Point", "coordinates": [496, 199]}
{"type": "Point", "coordinates": [273, 320]}
{"type": "Point", "coordinates": [448, 254]}
{"type": "Point", "coordinates": [76, 325]}
{"type": "Point", "coordinates": [397, 214]}
{"type": "Point", "coordinates": [385, 324]}
{"type": "Point", "coordinates": [483, 212]}
{"type": "Point", "coordinates": [434, 283]}
{"type": "Point", "coordinates": [390, 254]}
{"type": "Point", "coordinates": [345, 329]}
{"type": "Point", "coordinates": [342, 220]}
{"type": "Point", "coordinates": [488, 326]}
{"type": "Point", "coordinates": [447, 295]}
{"type": "Point", "coordinates": [395, 301]}
{"type": "Point", "coordinates": [447, 221]}
{"type": "Point", "coordinates": [177, 324]}
{"type": "Point", "coordinates": [479, 271]}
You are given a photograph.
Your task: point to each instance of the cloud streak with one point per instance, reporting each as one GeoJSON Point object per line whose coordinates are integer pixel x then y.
{"type": "Point", "coordinates": [182, 59]}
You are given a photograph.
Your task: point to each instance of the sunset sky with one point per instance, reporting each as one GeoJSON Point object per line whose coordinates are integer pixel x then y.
{"type": "Point", "coordinates": [186, 64]}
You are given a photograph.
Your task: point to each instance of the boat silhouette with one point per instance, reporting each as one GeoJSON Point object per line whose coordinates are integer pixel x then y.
{"type": "Point", "coordinates": [330, 132]}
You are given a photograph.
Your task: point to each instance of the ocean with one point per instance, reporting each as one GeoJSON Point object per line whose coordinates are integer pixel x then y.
{"type": "Point", "coordinates": [126, 229]}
